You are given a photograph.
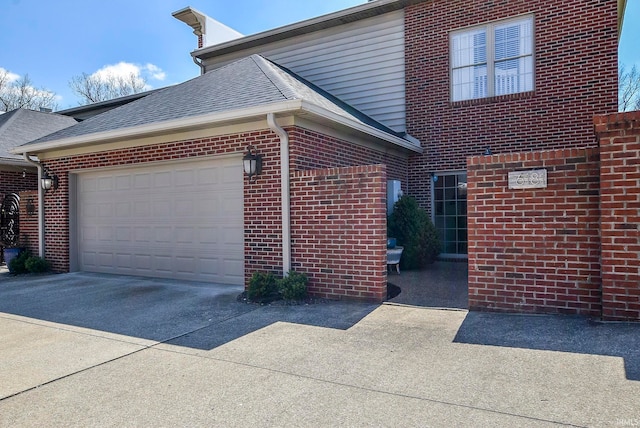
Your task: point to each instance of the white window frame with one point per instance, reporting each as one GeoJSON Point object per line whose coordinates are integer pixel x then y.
{"type": "Point", "coordinates": [490, 63]}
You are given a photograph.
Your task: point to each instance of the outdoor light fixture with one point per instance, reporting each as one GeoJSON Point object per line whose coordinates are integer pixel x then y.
{"type": "Point", "coordinates": [49, 181]}
{"type": "Point", "coordinates": [252, 162]}
{"type": "Point", "coordinates": [488, 152]}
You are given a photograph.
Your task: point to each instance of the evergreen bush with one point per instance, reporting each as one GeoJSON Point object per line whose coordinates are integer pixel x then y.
{"type": "Point", "coordinates": [26, 263]}
{"type": "Point", "coordinates": [293, 286]}
{"type": "Point", "coordinates": [415, 232]}
{"type": "Point", "coordinates": [263, 287]}
{"type": "Point", "coordinates": [17, 264]}
{"type": "Point", "coordinates": [35, 264]}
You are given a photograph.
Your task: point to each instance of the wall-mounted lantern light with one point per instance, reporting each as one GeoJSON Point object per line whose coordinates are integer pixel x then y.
{"type": "Point", "coordinates": [488, 152]}
{"type": "Point", "coordinates": [252, 163]}
{"type": "Point", "coordinates": [49, 181]}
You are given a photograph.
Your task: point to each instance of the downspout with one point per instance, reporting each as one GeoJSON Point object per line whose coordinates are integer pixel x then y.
{"type": "Point", "coordinates": [199, 64]}
{"type": "Point", "coordinates": [40, 205]}
{"type": "Point", "coordinates": [285, 192]}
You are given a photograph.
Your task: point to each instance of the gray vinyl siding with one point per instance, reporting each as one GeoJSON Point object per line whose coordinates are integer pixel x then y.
{"type": "Point", "coordinates": [362, 63]}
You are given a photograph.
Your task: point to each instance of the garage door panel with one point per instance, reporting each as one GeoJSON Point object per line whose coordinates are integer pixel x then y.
{"type": "Point", "coordinates": [142, 181]}
{"type": "Point", "coordinates": [182, 221]}
{"type": "Point", "coordinates": [163, 180]}
{"type": "Point", "coordinates": [105, 184]}
{"type": "Point", "coordinates": [123, 234]}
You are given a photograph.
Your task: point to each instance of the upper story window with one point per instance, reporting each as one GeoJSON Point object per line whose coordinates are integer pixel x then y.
{"type": "Point", "coordinates": [492, 59]}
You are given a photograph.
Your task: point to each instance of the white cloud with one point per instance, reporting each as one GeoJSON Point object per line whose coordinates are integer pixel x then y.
{"type": "Point", "coordinates": [155, 72]}
{"type": "Point", "coordinates": [126, 70]}
{"type": "Point", "coordinates": [11, 77]}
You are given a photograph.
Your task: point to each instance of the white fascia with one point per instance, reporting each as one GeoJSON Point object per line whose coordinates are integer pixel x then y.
{"type": "Point", "coordinates": [15, 162]}
{"type": "Point", "coordinates": [212, 119]}
{"type": "Point", "coordinates": [159, 128]}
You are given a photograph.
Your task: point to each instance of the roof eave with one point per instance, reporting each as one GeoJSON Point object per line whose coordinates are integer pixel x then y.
{"type": "Point", "coordinates": [14, 162]}
{"type": "Point", "coordinates": [622, 6]}
{"type": "Point", "coordinates": [194, 122]}
{"type": "Point", "coordinates": [361, 127]}
{"type": "Point", "coordinates": [202, 121]}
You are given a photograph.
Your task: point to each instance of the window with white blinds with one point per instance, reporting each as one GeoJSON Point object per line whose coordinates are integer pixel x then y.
{"type": "Point", "coordinates": [493, 59]}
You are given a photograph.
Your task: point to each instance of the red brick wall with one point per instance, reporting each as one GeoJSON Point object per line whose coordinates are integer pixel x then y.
{"type": "Point", "coordinates": [12, 181]}
{"type": "Point", "coordinates": [619, 136]}
{"type": "Point", "coordinates": [258, 222]}
{"type": "Point", "coordinates": [575, 78]}
{"type": "Point", "coordinates": [262, 210]}
{"type": "Point", "coordinates": [339, 231]}
{"type": "Point", "coordinates": [263, 224]}
{"type": "Point", "coordinates": [312, 150]}
{"type": "Point", "coordinates": [535, 250]}
{"type": "Point", "coordinates": [29, 222]}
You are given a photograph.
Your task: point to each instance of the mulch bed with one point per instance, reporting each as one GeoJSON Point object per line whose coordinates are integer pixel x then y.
{"type": "Point", "coordinates": [392, 291]}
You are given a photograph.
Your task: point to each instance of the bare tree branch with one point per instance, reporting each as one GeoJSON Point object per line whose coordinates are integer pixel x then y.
{"type": "Point", "coordinates": [21, 93]}
{"type": "Point", "coordinates": [628, 88]}
{"type": "Point", "coordinates": [92, 89]}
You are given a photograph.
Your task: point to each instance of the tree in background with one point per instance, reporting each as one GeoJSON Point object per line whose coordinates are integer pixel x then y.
{"type": "Point", "coordinates": [19, 92]}
{"type": "Point", "coordinates": [93, 88]}
{"type": "Point", "coordinates": [628, 88]}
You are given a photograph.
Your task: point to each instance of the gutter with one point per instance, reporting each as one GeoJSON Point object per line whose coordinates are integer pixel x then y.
{"type": "Point", "coordinates": [410, 143]}
{"type": "Point", "coordinates": [12, 162]}
{"type": "Point", "coordinates": [158, 128]}
{"type": "Point", "coordinates": [40, 205]}
{"type": "Point", "coordinates": [285, 192]}
{"type": "Point", "coordinates": [209, 119]}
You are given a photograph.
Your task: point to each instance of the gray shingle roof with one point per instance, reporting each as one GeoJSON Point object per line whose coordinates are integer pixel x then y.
{"type": "Point", "coordinates": [21, 126]}
{"type": "Point", "coordinates": [248, 82]}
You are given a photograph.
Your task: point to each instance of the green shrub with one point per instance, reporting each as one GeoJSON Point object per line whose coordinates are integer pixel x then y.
{"type": "Point", "coordinates": [293, 286]}
{"type": "Point", "coordinates": [26, 263]}
{"type": "Point", "coordinates": [430, 242]}
{"type": "Point", "coordinates": [263, 287]}
{"type": "Point", "coordinates": [414, 231]}
{"type": "Point", "coordinates": [36, 264]}
{"type": "Point", "coordinates": [17, 265]}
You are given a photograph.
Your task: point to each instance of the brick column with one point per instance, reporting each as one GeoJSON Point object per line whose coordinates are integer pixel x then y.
{"type": "Point", "coordinates": [619, 136]}
{"type": "Point", "coordinates": [535, 249]}
{"type": "Point", "coordinates": [339, 231]}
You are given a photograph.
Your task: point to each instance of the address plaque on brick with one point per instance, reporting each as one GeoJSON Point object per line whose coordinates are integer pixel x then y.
{"type": "Point", "coordinates": [532, 179]}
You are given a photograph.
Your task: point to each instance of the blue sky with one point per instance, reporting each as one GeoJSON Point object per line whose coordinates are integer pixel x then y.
{"type": "Point", "coordinates": [55, 40]}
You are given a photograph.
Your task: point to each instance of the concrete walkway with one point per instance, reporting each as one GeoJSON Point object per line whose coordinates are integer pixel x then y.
{"type": "Point", "coordinates": [381, 365]}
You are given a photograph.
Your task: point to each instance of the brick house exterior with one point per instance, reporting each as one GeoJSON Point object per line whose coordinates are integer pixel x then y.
{"type": "Point", "coordinates": [395, 67]}
{"type": "Point", "coordinates": [571, 246]}
{"type": "Point", "coordinates": [263, 233]}
{"type": "Point", "coordinates": [17, 127]}
{"type": "Point", "coordinates": [576, 77]}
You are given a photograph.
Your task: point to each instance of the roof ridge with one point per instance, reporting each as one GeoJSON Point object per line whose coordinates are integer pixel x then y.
{"type": "Point", "coordinates": [12, 116]}
{"type": "Point", "coordinates": [271, 74]}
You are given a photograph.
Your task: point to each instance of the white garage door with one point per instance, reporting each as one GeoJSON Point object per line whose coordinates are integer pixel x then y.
{"type": "Point", "coordinates": [177, 220]}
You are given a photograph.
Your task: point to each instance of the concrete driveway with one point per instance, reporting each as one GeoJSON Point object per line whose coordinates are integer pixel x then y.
{"type": "Point", "coordinates": [98, 350]}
